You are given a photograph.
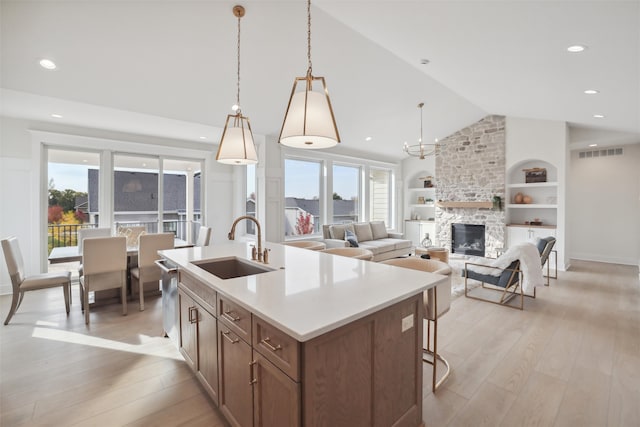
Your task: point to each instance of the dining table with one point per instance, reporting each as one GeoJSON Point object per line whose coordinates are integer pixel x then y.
{"type": "Point", "coordinates": [72, 253]}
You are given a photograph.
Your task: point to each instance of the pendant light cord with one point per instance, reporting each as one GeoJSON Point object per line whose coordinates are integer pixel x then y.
{"type": "Point", "coordinates": [420, 106]}
{"type": "Point", "coordinates": [238, 86]}
{"type": "Point", "coordinates": [309, 36]}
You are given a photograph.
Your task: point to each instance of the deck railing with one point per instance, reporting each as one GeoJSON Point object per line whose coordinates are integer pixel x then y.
{"type": "Point", "coordinates": [60, 235]}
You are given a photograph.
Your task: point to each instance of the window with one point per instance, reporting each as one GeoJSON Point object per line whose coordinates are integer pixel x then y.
{"type": "Point", "coordinates": [380, 195]}
{"type": "Point", "coordinates": [72, 195]}
{"type": "Point", "coordinates": [302, 207]}
{"type": "Point", "coordinates": [135, 192]}
{"type": "Point", "coordinates": [181, 213]}
{"type": "Point", "coordinates": [346, 193]}
{"type": "Point", "coordinates": [251, 199]}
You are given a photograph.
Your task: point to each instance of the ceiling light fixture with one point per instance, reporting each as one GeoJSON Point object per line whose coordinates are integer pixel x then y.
{"type": "Point", "coordinates": [591, 91]}
{"type": "Point", "coordinates": [309, 121]}
{"type": "Point", "coordinates": [56, 116]}
{"type": "Point", "coordinates": [203, 137]}
{"type": "Point", "coordinates": [368, 138]}
{"type": "Point", "coordinates": [593, 145]}
{"type": "Point", "coordinates": [598, 116]}
{"type": "Point", "coordinates": [576, 48]}
{"type": "Point", "coordinates": [237, 146]}
{"type": "Point", "coordinates": [48, 64]}
{"type": "Point", "coordinates": [420, 150]}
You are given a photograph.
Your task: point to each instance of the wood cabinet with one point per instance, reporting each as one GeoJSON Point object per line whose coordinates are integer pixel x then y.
{"type": "Point", "coordinates": [367, 372]}
{"type": "Point", "coordinates": [198, 339]}
{"type": "Point", "coordinates": [276, 397]}
{"type": "Point", "coordinates": [236, 382]}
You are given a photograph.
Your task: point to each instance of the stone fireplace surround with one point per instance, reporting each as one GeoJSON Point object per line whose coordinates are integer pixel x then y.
{"type": "Point", "coordinates": [470, 167]}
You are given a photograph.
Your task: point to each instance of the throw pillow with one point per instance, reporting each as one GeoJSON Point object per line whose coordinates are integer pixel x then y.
{"type": "Point", "coordinates": [363, 231]}
{"type": "Point", "coordinates": [379, 230]}
{"type": "Point", "coordinates": [350, 237]}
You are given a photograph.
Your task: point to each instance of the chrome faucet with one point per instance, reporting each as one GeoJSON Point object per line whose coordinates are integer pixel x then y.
{"type": "Point", "coordinates": [232, 233]}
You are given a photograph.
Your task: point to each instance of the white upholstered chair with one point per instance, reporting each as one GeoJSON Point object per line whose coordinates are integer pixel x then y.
{"type": "Point", "coordinates": [104, 260]}
{"type": "Point", "coordinates": [21, 283]}
{"type": "Point", "coordinates": [204, 236]}
{"type": "Point", "coordinates": [307, 244]}
{"type": "Point", "coordinates": [147, 270]}
{"type": "Point", "coordinates": [359, 253]}
{"type": "Point", "coordinates": [437, 302]}
{"type": "Point", "coordinates": [84, 233]}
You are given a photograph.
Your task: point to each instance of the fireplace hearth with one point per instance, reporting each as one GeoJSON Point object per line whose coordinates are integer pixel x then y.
{"type": "Point", "coordinates": [468, 239]}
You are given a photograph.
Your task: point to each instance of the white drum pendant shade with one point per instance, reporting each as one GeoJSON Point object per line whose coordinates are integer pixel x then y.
{"type": "Point", "coordinates": [236, 145]}
{"type": "Point", "coordinates": [309, 121]}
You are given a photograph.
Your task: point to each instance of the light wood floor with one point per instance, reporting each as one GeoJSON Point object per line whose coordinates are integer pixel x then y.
{"type": "Point", "coordinates": [572, 358]}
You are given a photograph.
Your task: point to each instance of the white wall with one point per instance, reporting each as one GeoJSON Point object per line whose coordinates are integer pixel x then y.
{"type": "Point", "coordinates": [604, 202]}
{"type": "Point", "coordinates": [23, 204]}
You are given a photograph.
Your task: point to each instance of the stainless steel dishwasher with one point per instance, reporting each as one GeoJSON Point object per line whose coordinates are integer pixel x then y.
{"type": "Point", "coordinates": [170, 311]}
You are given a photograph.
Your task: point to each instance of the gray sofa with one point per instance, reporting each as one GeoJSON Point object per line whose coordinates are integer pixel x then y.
{"type": "Point", "coordinates": [370, 235]}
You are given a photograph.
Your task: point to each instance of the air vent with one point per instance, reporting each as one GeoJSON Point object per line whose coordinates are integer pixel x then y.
{"type": "Point", "coordinates": [600, 153]}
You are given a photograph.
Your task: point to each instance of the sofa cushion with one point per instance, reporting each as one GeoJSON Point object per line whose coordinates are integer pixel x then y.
{"type": "Point", "coordinates": [363, 231]}
{"type": "Point", "coordinates": [350, 237]}
{"type": "Point", "coordinates": [379, 230]}
{"type": "Point", "coordinates": [375, 246]}
{"type": "Point", "coordinates": [337, 230]}
{"type": "Point", "coordinates": [396, 243]}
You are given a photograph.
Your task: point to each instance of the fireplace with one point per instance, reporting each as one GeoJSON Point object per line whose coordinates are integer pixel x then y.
{"type": "Point", "coordinates": [467, 239]}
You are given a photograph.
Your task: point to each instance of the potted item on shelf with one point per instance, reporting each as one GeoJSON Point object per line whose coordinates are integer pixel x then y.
{"type": "Point", "coordinates": [536, 221]}
{"type": "Point", "coordinates": [527, 200]}
{"type": "Point", "coordinates": [517, 199]}
{"type": "Point", "coordinates": [497, 202]}
{"type": "Point", "coordinates": [420, 200]}
{"type": "Point", "coordinates": [428, 200]}
{"type": "Point", "coordinates": [535, 175]}
{"type": "Point", "coordinates": [427, 181]}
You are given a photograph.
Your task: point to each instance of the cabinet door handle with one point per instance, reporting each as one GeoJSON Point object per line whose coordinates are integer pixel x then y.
{"type": "Point", "coordinates": [231, 340]}
{"type": "Point", "coordinates": [192, 318]}
{"type": "Point", "coordinates": [230, 315]}
{"type": "Point", "coordinates": [267, 343]}
{"type": "Point", "coordinates": [252, 380]}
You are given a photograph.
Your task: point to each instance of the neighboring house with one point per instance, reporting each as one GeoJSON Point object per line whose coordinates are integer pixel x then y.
{"type": "Point", "coordinates": [136, 198]}
{"type": "Point", "coordinates": [296, 208]}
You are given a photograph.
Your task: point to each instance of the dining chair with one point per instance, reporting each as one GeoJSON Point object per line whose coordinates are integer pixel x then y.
{"type": "Point", "coordinates": [83, 233]}
{"type": "Point", "coordinates": [147, 270]}
{"type": "Point", "coordinates": [437, 302]}
{"type": "Point", "coordinates": [21, 283]}
{"type": "Point", "coordinates": [104, 260]}
{"type": "Point", "coordinates": [204, 236]}
{"type": "Point", "coordinates": [132, 234]}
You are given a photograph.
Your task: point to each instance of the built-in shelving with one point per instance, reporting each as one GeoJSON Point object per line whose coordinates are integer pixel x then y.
{"type": "Point", "coordinates": [531, 206]}
{"type": "Point", "coordinates": [533, 185]}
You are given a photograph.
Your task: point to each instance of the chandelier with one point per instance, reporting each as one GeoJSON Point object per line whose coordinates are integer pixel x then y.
{"type": "Point", "coordinates": [237, 146]}
{"type": "Point", "coordinates": [421, 149]}
{"type": "Point", "coordinates": [309, 121]}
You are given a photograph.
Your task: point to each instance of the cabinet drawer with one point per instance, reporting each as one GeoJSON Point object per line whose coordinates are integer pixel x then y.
{"type": "Point", "coordinates": [235, 317]}
{"type": "Point", "coordinates": [201, 290]}
{"type": "Point", "coordinates": [278, 347]}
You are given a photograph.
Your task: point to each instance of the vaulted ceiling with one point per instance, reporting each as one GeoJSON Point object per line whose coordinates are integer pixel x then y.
{"type": "Point", "coordinates": [169, 68]}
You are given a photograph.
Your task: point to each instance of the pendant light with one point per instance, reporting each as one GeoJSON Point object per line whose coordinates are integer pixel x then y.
{"type": "Point", "coordinates": [420, 150]}
{"type": "Point", "coordinates": [237, 146]}
{"type": "Point", "coordinates": [309, 121]}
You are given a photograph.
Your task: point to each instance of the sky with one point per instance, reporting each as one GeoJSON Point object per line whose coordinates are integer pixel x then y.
{"type": "Point", "coordinates": [74, 177]}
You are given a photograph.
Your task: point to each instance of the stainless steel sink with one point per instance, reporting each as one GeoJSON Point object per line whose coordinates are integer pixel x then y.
{"type": "Point", "coordinates": [231, 267]}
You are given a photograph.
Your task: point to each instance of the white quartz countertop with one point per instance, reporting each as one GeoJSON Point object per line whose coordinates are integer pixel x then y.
{"type": "Point", "coordinates": [308, 293]}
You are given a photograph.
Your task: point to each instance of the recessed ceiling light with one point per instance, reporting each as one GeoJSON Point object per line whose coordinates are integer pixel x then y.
{"type": "Point", "coordinates": [591, 91]}
{"type": "Point", "coordinates": [424, 61]}
{"type": "Point", "coordinates": [368, 138]}
{"type": "Point", "coordinates": [56, 116]}
{"type": "Point", "coordinates": [203, 137]}
{"type": "Point", "coordinates": [598, 116]}
{"type": "Point", "coordinates": [593, 145]}
{"type": "Point", "coordinates": [576, 48]}
{"type": "Point", "coordinates": [84, 160]}
{"type": "Point", "coordinates": [48, 64]}
{"type": "Point", "coordinates": [144, 165]}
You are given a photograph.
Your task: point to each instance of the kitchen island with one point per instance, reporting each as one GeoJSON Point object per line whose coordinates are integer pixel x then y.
{"type": "Point", "coordinates": [317, 339]}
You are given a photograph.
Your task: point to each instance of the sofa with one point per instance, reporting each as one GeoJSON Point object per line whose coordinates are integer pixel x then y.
{"type": "Point", "coordinates": [371, 235]}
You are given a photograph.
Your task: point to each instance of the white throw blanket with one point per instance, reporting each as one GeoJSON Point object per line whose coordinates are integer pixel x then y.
{"type": "Point", "coordinates": [530, 264]}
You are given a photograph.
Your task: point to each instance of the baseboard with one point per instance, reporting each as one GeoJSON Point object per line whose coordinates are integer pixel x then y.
{"type": "Point", "coordinates": [604, 258]}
